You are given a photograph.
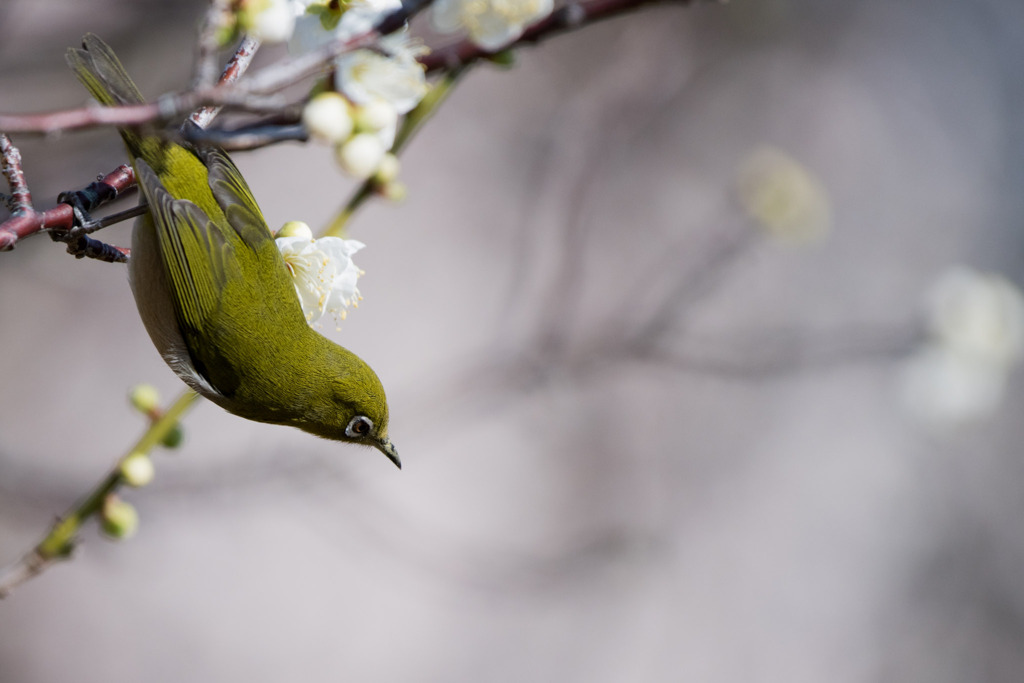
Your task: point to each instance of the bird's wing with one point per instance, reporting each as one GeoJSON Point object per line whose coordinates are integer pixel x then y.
{"type": "Point", "coordinates": [249, 227]}
{"type": "Point", "coordinates": [235, 199]}
{"type": "Point", "coordinates": [199, 261]}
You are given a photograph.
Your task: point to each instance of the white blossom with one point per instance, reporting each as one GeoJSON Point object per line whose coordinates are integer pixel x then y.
{"type": "Point", "coordinates": [980, 315]}
{"type": "Point", "coordinates": [317, 23]}
{"type": "Point", "coordinates": [375, 116]}
{"type": "Point", "coordinates": [976, 337]}
{"type": "Point", "coordinates": [327, 117]}
{"type": "Point", "coordinates": [271, 21]}
{"type": "Point", "coordinates": [324, 274]}
{"type": "Point", "coordinates": [491, 24]}
{"type": "Point", "coordinates": [389, 77]}
{"type": "Point", "coordinates": [395, 77]}
{"type": "Point", "coordinates": [361, 155]}
{"type": "Point", "coordinates": [387, 169]}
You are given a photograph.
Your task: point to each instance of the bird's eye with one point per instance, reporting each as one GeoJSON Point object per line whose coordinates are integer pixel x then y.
{"type": "Point", "coordinates": [359, 426]}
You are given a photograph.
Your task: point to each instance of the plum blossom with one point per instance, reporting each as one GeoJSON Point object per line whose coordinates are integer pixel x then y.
{"type": "Point", "coordinates": [491, 24]}
{"type": "Point", "coordinates": [976, 337]}
{"type": "Point", "coordinates": [323, 271]}
{"type": "Point", "coordinates": [390, 77]}
{"type": "Point", "coordinates": [271, 21]}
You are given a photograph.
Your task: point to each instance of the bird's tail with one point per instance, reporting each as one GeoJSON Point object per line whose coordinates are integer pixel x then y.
{"type": "Point", "coordinates": [103, 75]}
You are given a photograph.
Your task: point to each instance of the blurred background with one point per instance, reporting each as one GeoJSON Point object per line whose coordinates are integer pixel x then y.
{"type": "Point", "coordinates": [676, 391]}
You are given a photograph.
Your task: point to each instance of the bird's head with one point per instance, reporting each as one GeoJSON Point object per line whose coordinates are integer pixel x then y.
{"type": "Point", "coordinates": [355, 411]}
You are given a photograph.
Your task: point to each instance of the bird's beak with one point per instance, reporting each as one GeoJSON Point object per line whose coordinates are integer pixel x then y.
{"type": "Point", "coordinates": [387, 448]}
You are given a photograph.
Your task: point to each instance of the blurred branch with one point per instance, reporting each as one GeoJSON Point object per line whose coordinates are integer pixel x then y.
{"type": "Point", "coordinates": [779, 354]}
{"type": "Point", "coordinates": [689, 288]}
{"type": "Point", "coordinates": [217, 18]}
{"type": "Point", "coordinates": [567, 18]}
{"type": "Point", "coordinates": [59, 542]}
{"type": "Point", "coordinates": [252, 95]}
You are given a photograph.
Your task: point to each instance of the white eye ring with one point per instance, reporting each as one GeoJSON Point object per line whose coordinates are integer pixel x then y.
{"type": "Point", "coordinates": [358, 426]}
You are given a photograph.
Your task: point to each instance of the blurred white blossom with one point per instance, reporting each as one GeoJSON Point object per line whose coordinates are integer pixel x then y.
{"type": "Point", "coordinates": [324, 274]}
{"type": "Point", "coordinates": [782, 196]}
{"type": "Point", "coordinates": [361, 155]}
{"type": "Point", "coordinates": [390, 79]}
{"type": "Point", "coordinates": [976, 337]}
{"type": "Point", "coordinates": [328, 117]}
{"type": "Point", "coordinates": [395, 77]}
{"type": "Point", "coordinates": [270, 21]}
{"type": "Point", "coordinates": [491, 24]}
{"type": "Point", "coordinates": [318, 22]}
{"type": "Point", "coordinates": [979, 315]}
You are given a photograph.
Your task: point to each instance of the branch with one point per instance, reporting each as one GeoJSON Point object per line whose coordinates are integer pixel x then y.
{"type": "Point", "coordinates": [60, 542]}
{"type": "Point", "coordinates": [247, 137]}
{"type": "Point", "coordinates": [217, 18]}
{"type": "Point", "coordinates": [252, 96]}
{"type": "Point", "coordinates": [567, 18]}
{"type": "Point", "coordinates": [237, 66]}
{"type": "Point", "coordinates": [25, 220]}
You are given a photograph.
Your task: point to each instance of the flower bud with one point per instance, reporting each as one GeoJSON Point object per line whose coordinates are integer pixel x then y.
{"type": "Point", "coordinates": [376, 116]}
{"type": "Point", "coordinates": [295, 229]}
{"type": "Point", "coordinates": [137, 469]}
{"type": "Point", "coordinates": [174, 437]}
{"type": "Point", "coordinates": [145, 398]}
{"type": "Point", "coordinates": [360, 155]}
{"type": "Point", "coordinates": [394, 191]}
{"type": "Point", "coordinates": [388, 169]}
{"type": "Point", "coordinates": [327, 117]}
{"type": "Point", "coordinates": [118, 518]}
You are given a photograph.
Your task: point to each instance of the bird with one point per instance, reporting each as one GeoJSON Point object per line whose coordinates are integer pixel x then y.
{"type": "Point", "coordinates": [214, 293]}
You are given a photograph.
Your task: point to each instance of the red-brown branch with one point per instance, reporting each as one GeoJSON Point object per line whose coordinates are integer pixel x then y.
{"type": "Point", "coordinates": [10, 158]}
{"type": "Point", "coordinates": [237, 66]}
{"type": "Point", "coordinates": [253, 96]}
{"type": "Point", "coordinates": [566, 18]}
{"type": "Point", "coordinates": [27, 221]}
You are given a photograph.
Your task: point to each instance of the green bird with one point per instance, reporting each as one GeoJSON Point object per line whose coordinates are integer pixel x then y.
{"type": "Point", "coordinates": [215, 294]}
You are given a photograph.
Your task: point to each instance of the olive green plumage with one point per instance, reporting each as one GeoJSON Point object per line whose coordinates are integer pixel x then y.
{"type": "Point", "coordinates": [215, 295]}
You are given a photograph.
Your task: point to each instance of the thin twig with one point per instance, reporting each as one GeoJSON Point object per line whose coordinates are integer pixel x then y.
{"type": "Point", "coordinates": [291, 71]}
{"type": "Point", "coordinates": [61, 218]}
{"type": "Point", "coordinates": [247, 137]}
{"type": "Point", "coordinates": [568, 17]}
{"type": "Point", "coordinates": [237, 66]}
{"type": "Point", "coordinates": [10, 157]}
{"type": "Point", "coordinates": [216, 19]}
{"type": "Point", "coordinates": [255, 95]}
{"type": "Point", "coordinates": [60, 541]}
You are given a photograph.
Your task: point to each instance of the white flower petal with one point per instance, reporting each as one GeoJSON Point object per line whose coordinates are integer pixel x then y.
{"type": "Point", "coordinates": [398, 79]}
{"type": "Point", "coordinates": [324, 274]}
{"type": "Point", "coordinates": [978, 314]}
{"type": "Point", "coordinates": [446, 16]}
{"type": "Point", "coordinates": [491, 24]}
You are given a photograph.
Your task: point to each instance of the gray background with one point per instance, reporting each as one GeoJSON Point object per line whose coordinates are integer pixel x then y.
{"type": "Point", "coordinates": [642, 442]}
